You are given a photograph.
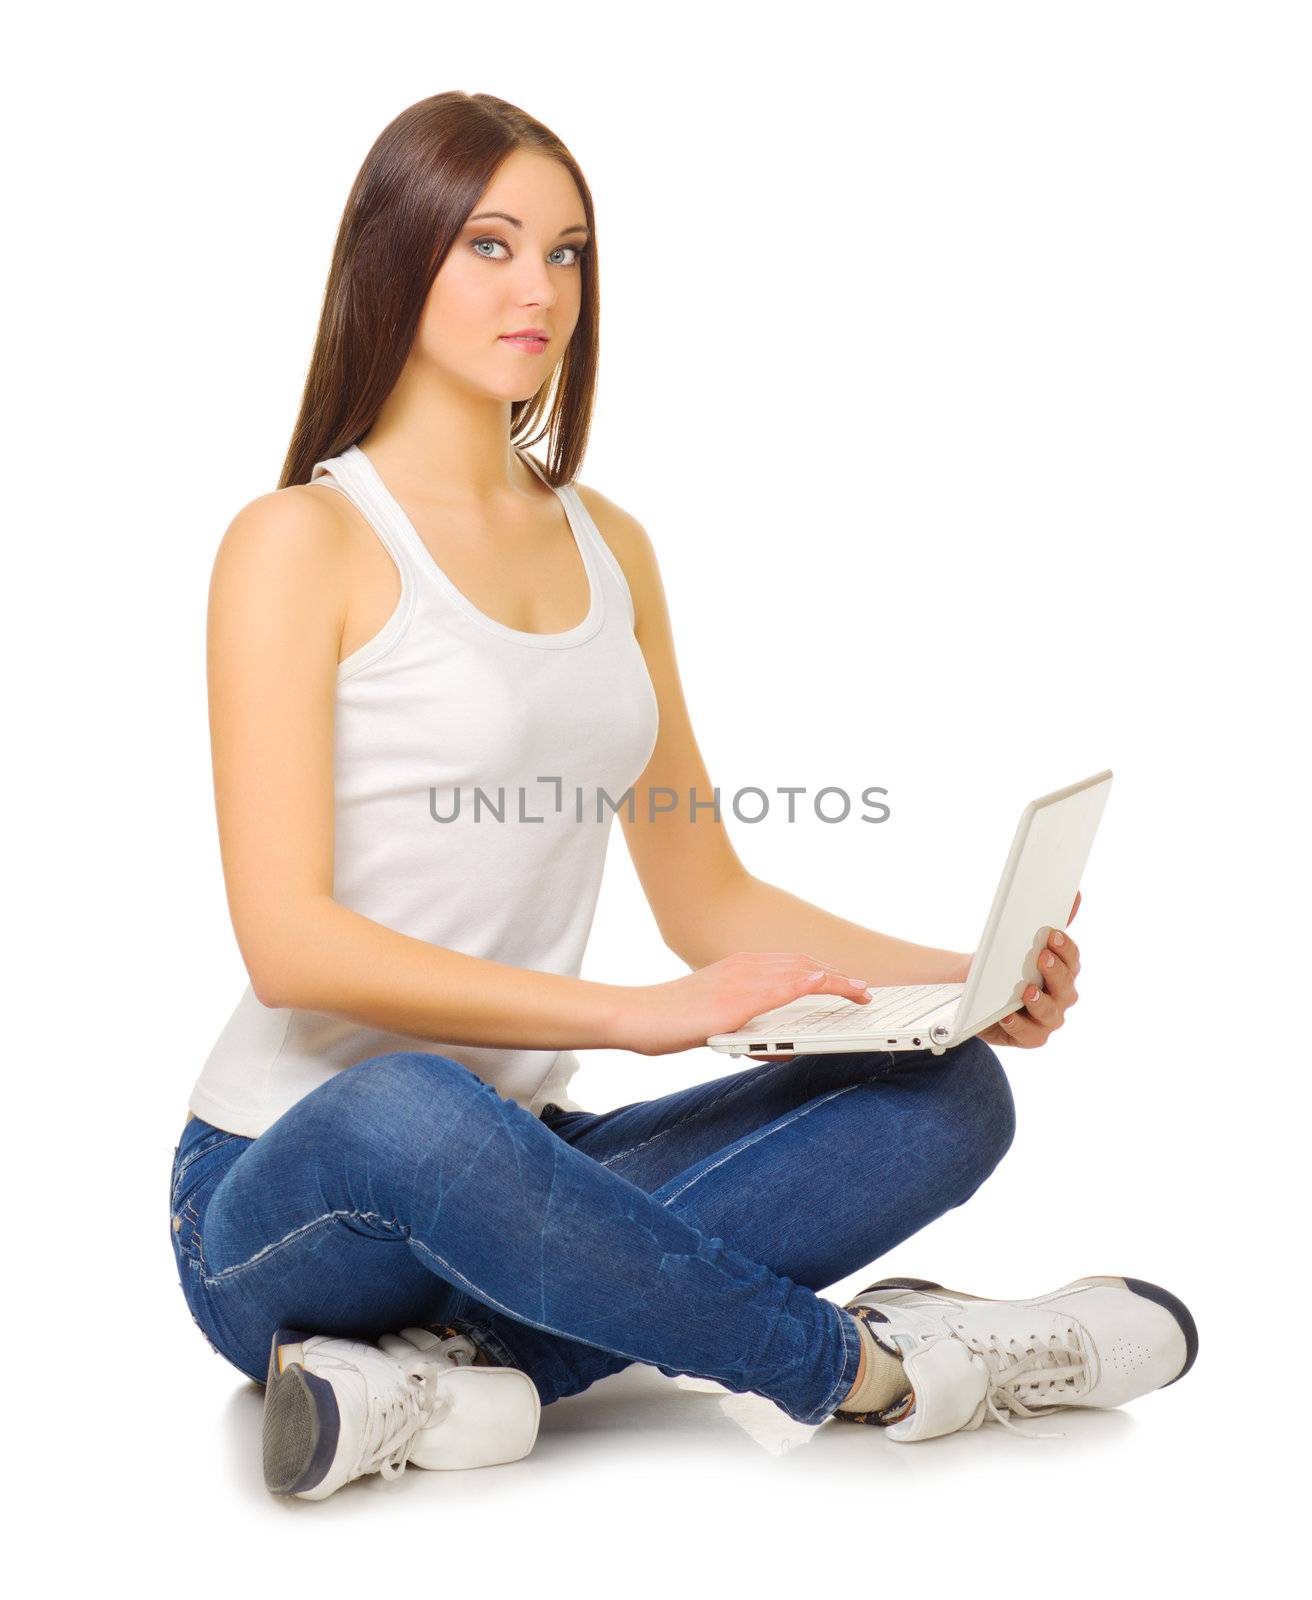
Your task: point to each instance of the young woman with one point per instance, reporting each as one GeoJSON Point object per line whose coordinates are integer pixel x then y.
{"type": "Point", "coordinates": [430, 658]}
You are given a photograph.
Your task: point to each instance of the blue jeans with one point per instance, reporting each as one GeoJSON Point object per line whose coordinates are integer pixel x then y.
{"type": "Point", "coordinates": [691, 1232]}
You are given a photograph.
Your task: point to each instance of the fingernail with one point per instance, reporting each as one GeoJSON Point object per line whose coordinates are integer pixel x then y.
{"type": "Point", "coordinates": [819, 973]}
{"type": "Point", "coordinates": [1058, 937]}
{"type": "Point", "coordinates": [1048, 958]}
{"type": "Point", "coordinates": [858, 983]}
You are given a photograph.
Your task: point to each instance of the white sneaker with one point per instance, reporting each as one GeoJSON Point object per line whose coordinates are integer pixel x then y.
{"type": "Point", "coordinates": [485, 1415]}
{"type": "Point", "coordinates": [1097, 1342]}
{"type": "Point", "coordinates": [338, 1409]}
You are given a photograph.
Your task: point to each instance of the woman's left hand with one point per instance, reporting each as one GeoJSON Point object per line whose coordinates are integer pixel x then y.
{"type": "Point", "coordinates": [1045, 1009]}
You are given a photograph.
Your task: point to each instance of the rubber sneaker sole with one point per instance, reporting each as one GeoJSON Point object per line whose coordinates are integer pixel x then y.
{"type": "Point", "coordinates": [301, 1420]}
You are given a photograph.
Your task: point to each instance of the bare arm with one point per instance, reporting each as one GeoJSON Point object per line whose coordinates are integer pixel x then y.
{"type": "Point", "coordinates": [746, 914]}
{"type": "Point", "coordinates": [276, 611]}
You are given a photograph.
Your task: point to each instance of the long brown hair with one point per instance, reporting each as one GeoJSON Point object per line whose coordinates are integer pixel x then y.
{"type": "Point", "coordinates": [419, 182]}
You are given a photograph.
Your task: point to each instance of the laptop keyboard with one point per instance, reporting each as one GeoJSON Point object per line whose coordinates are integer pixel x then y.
{"type": "Point", "coordinates": [889, 1008]}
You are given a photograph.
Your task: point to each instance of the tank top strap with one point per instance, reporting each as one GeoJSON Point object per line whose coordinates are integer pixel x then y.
{"type": "Point", "coordinates": [353, 474]}
{"type": "Point", "coordinates": [588, 530]}
{"type": "Point", "coordinates": [529, 462]}
{"type": "Point", "coordinates": [349, 473]}
{"type": "Point", "coordinates": [581, 518]}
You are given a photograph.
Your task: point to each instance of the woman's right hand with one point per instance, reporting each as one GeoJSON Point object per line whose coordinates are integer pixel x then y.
{"type": "Point", "coordinates": [661, 1018]}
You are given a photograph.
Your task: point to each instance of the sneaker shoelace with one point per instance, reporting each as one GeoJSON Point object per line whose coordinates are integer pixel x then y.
{"type": "Point", "coordinates": [395, 1416]}
{"type": "Point", "coordinates": [1056, 1363]}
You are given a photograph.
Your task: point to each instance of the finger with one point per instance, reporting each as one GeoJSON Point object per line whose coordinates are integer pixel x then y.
{"type": "Point", "coordinates": [1057, 977]}
{"type": "Point", "coordinates": [1075, 906]}
{"type": "Point", "coordinates": [1022, 1030]}
{"type": "Point", "coordinates": [831, 981]}
{"type": "Point", "coordinates": [1064, 946]}
{"type": "Point", "coordinates": [1043, 1007]}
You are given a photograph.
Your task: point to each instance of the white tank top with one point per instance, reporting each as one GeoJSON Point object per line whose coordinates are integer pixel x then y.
{"type": "Point", "coordinates": [444, 702]}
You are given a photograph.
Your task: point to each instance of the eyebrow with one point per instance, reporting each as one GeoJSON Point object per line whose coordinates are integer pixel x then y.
{"type": "Point", "coordinates": [514, 222]}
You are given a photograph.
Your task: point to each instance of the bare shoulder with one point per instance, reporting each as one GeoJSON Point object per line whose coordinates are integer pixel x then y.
{"type": "Point", "coordinates": [630, 544]}
{"type": "Point", "coordinates": [621, 530]}
{"type": "Point", "coordinates": [300, 534]}
{"type": "Point", "coordinates": [285, 520]}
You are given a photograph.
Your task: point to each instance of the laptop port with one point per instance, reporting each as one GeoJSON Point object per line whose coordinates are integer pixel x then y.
{"type": "Point", "coordinates": [786, 1045]}
{"type": "Point", "coordinates": [756, 1047]}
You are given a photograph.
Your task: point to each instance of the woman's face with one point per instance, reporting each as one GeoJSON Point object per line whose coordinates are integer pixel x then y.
{"type": "Point", "coordinates": [500, 277]}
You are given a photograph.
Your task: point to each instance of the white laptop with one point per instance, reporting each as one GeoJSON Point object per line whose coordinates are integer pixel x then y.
{"type": "Point", "coordinates": [1035, 895]}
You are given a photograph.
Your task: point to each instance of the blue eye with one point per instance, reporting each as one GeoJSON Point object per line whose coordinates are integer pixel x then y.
{"type": "Point", "coordinates": [578, 250]}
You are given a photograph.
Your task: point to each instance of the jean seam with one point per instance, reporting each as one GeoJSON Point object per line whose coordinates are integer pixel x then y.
{"type": "Point", "coordinates": [700, 1111]}
{"type": "Point", "coordinates": [296, 1233]}
{"type": "Point", "coordinates": [192, 1156]}
{"type": "Point", "coordinates": [516, 1316]}
{"type": "Point", "coordinates": [475, 1328]}
{"type": "Point", "coordinates": [748, 1141]}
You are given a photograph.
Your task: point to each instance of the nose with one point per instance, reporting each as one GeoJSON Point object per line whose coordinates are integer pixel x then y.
{"type": "Point", "coordinates": [535, 286]}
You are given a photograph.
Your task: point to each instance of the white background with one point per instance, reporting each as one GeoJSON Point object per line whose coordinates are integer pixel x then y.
{"type": "Point", "coordinates": [955, 358]}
